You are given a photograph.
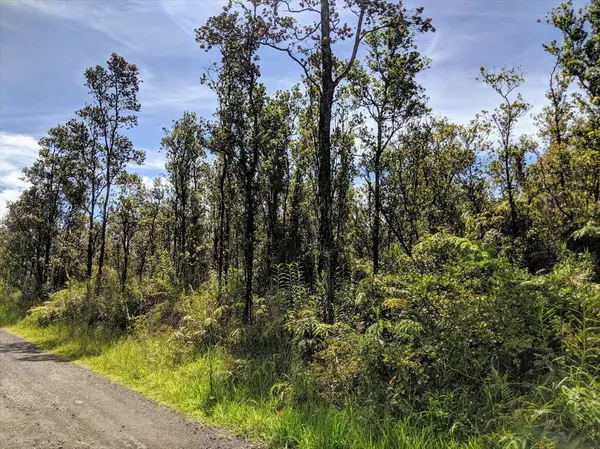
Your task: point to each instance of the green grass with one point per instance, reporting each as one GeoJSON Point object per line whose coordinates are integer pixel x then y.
{"type": "Point", "coordinates": [154, 367]}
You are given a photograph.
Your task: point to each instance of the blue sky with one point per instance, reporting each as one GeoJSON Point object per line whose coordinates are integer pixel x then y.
{"type": "Point", "coordinates": [46, 45]}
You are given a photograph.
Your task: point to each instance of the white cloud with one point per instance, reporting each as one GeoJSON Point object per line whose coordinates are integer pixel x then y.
{"type": "Point", "coordinates": [188, 15]}
{"type": "Point", "coordinates": [181, 96]}
{"type": "Point", "coordinates": [17, 151]}
{"type": "Point", "coordinates": [148, 182]}
{"type": "Point", "coordinates": [7, 196]}
{"type": "Point", "coordinates": [154, 163]}
{"type": "Point", "coordinates": [157, 28]}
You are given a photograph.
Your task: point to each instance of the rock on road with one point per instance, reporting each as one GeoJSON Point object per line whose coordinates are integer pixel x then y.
{"type": "Point", "coordinates": [48, 403]}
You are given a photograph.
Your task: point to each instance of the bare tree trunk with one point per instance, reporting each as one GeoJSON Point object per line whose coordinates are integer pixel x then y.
{"type": "Point", "coordinates": [125, 262]}
{"type": "Point", "coordinates": [377, 200]}
{"type": "Point", "coordinates": [104, 223]}
{"type": "Point", "coordinates": [326, 248]}
{"type": "Point", "coordinates": [249, 252]}
{"type": "Point", "coordinates": [221, 230]}
{"type": "Point", "coordinates": [509, 190]}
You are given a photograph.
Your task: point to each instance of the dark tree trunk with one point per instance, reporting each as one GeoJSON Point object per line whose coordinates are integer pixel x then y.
{"type": "Point", "coordinates": [125, 262]}
{"type": "Point", "coordinates": [377, 200]}
{"type": "Point", "coordinates": [104, 223]}
{"type": "Point", "coordinates": [90, 248]}
{"type": "Point", "coordinates": [220, 240]}
{"type": "Point", "coordinates": [273, 237]}
{"type": "Point", "coordinates": [249, 251]}
{"type": "Point", "coordinates": [514, 226]}
{"type": "Point", "coordinates": [326, 246]}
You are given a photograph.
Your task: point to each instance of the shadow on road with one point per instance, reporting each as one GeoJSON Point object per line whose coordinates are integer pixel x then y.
{"type": "Point", "coordinates": [27, 352]}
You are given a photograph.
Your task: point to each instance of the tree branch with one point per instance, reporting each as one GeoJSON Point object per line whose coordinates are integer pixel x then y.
{"type": "Point", "coordinates": [357, 40]}
{"type": "Point", "coordinates": [300, 63]}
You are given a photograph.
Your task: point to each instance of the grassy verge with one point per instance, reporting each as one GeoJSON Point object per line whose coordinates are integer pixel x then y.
{"type": "Point", "coordinates": [198, 386]}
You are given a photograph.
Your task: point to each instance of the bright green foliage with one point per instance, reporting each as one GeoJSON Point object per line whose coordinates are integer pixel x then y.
{"type": "Point", "coordinates": [332, 266]}
{"type": "Point", "coordinates": [458, 341]}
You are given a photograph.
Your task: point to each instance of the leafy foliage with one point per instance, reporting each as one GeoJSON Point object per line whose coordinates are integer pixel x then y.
{"type": "Point", "coordinates": [330, 266]}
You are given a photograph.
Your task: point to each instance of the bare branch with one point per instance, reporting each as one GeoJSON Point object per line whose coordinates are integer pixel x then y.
{"type": "Point", "coordinates": [357, 40]}
{"type": "Point", "coordinates": [300, 63]}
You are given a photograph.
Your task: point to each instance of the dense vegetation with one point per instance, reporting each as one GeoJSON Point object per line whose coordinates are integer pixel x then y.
{"type": "Point", "coordinates": [331, 266]}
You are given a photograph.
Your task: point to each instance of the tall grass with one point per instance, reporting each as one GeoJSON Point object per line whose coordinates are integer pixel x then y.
{"type": "Point", "coordinates": [152, 366]}
{"type": "Point", "coordinates": [403, 381]}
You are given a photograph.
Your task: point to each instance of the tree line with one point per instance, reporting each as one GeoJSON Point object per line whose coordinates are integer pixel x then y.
{"type": "Point", "coordinates": [337, 169]}
{"type": "Point", "coordinates": [358, 261]}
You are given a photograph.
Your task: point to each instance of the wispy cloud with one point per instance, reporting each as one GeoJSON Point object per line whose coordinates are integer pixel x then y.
{"type": "Point", "coordinates": [177, 96]}
{"type": "Point", "coordinates": [142, 26]}
{"type": "Point", "coordinates": [189, 15]}
{"type": "Point", "coordinates": [46, 45]}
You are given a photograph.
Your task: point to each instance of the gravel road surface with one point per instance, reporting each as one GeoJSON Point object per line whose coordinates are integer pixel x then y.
{"type": "Point", "coordinates": [49, 403]}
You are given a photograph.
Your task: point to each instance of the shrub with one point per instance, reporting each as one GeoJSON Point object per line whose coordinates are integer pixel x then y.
{"type": "Point", "coordinates": [79, 303]}
{"type": "Point", "coordinates": [11, 304]}
{"type": "Point", "coordinates": [63, 305]}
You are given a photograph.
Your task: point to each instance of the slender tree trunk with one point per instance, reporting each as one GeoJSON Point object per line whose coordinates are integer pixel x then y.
{"type": "Point", "coordinates": [151, 243]}
{"type": "Point", "coordinates": [509, 191]}
{"type": "Point", "coordinates": [293, 238]}
{"type": "Point", "coordinates": [272, 255]}
{"type": "Point", "coordinates": [249, 251]}
{"type": "Point", "coordinates": [39, 268]}
{"type": "Point", "coordinates": [221, 227]}
{"type": "Point", "coordinates": [251, 188]}
{"type": "Point", "coordinates": [377, 199]}
{"type": "Point", "coordinates": [182, 235]}
{"type": "Point", "coordinates": [176, 226]}
{"type": "Point", "coordinates": [125, 262]}
{"type": "Point", "coordinates": [47, 249]}
{"type": "Point", "coordinates": [326, 246]}
{"type": "Point", "coordinates": [90, 245]}
{"type": "Point", "coordinates": [90, 248]}
{"type": "Point", "coordinates": [104, 223]}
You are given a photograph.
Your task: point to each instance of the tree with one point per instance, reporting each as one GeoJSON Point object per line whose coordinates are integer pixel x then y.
{"type": "Point", "coordinates": [81, 147]}
{"type": "Point", "coordinates": [385, 87]}
{"type": "Point", "coordinates": [508, 168]}
{"type": "Point", "coordinates": [553, 169]}
{"type": "Point", "coordinates": [44, 215]}
{"type": "Point", "coordinates": [433, 179]}
{"type": "Point", "coordinates": [114, 102]}
{"type": "Point", "coordinates": [151, 209]}
{"type": "Point", "coordinates": [311, 46]}
{"type": "Point", "coordinates": [128, 210]}
{"type": "Point", "coordinates": [184, 148]}
{"type": "Point", "coordinates": [279, 121]}
{"type": "Point", "coordinates": [236, 35]}
{"type": "Point", "coordinates": [578, 56]}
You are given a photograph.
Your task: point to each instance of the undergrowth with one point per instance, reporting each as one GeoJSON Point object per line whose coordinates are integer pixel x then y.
{"type": "Point", "coordinates": [458, 349]}
{"type": "Point", "coordinates": [151, 367]}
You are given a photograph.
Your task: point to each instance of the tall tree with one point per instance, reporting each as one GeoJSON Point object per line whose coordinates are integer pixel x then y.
{"type": "Point", "coordinates": [553, 169]}
{"type": "Point", "coordinates": [128, 210]}
{"type": "Point", "coordinates": [279, 120]}
{"type": "Point", "coordinates": [151, 209]}
{"type": "Point", "coordinates": [114, 103]}
{"type": "Point", "coordinates": [184, 147]}
{"type": "Point", "coordinates": [510, 153]}
{"type": "Point", "coordinates": [578, 55]}
{"type": "Point", "coordinates": [44, 213]}
{"type": "Point", "coordinates": [311, 46]}
{"type": "Point", "coordinates": [89, 176]}
{"type": "Point", "coordinates": [236, 34]}
{"type": "Point", "coordinates": [386, 88]}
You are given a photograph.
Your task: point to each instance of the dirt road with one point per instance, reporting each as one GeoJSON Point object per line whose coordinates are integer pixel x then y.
{"type": "Point", "coordinates": [49, 403]}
